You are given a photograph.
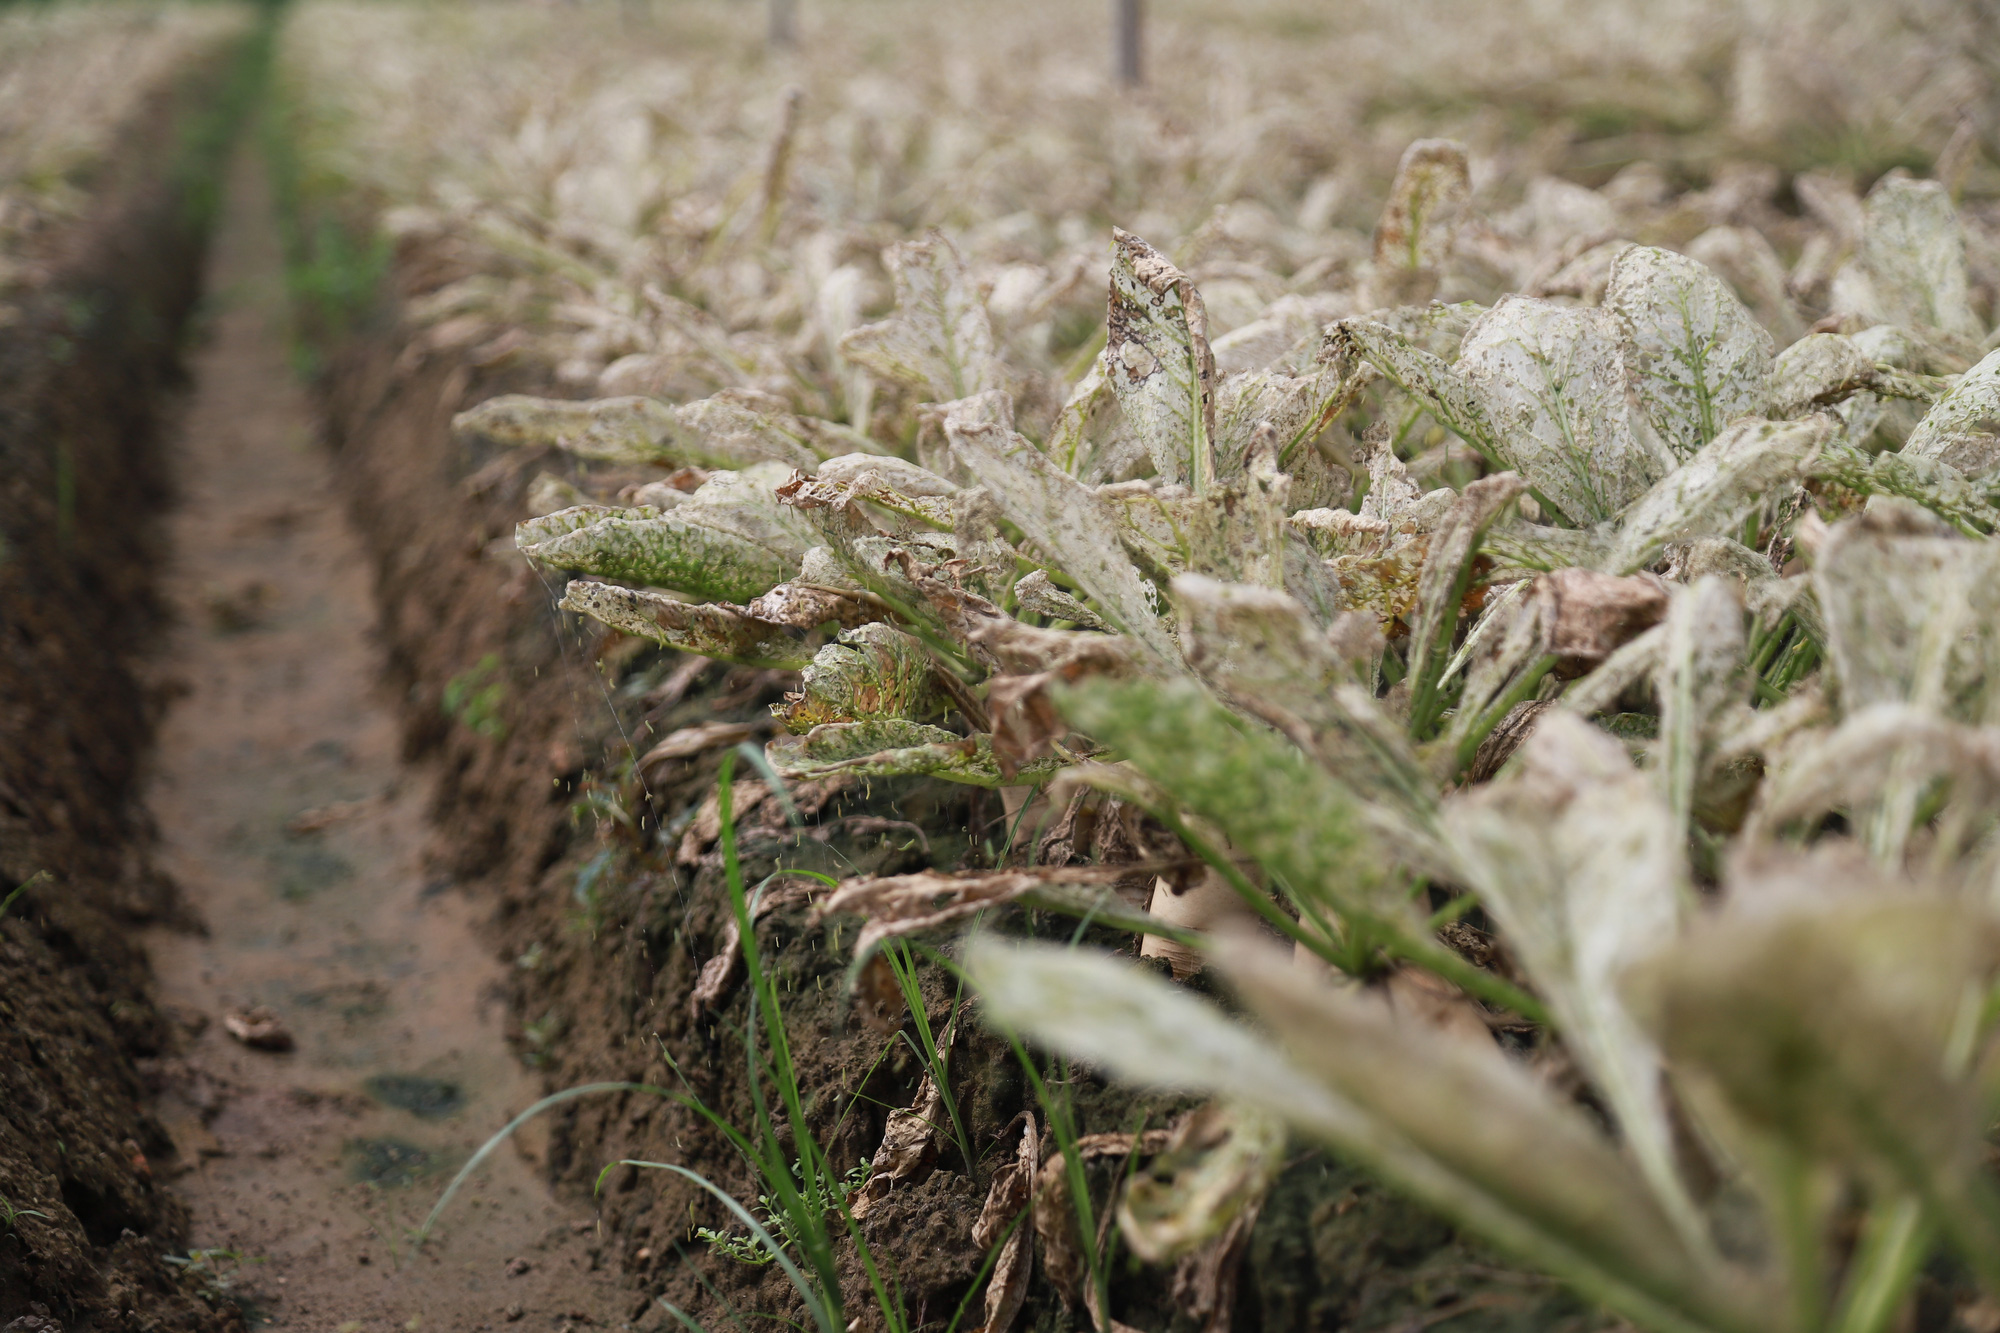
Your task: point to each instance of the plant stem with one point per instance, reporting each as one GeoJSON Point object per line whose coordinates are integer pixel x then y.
{"type": "Point", "coordinates": [1893, 1241]}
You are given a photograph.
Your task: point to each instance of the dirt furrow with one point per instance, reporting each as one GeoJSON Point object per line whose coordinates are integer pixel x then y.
{"type": "Point", "coordinates": [298, 838]}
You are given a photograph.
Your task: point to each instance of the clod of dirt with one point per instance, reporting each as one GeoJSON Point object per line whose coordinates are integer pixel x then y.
{"type": "Point", "coordinates": [242, 608]}
{"type": "Point", "coordinates": [37, 1321]}
{"type": "Point", "coordinates": [426, 1098]}
{"type": "Point", "coordinates": [323, 816]}
{"type": "Point", "coordinates": [514, 1314]}
{"type": "Point", "coordinates": [302, 871]}
{"type": "Point", "coordinates": [259, 1029]}
{"type": "Point", "coordinates": [136, 1157]}
{"type": "Point", "coordinates": [515, 1268]}
{"type": "Point", "coordinates": [389, 1162]}
{"type": "Point", "coordinates": [191, 1022]}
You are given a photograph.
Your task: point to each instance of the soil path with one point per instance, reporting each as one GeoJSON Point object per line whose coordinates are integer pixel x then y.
{"type": "Point", "coordinates": [298, 838]}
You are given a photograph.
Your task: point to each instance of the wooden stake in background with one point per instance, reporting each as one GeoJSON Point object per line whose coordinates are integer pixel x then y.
{"type": "Point", "coordinates": [1126, 37]}
{"type": "Point", "coordinates": [784, 24]}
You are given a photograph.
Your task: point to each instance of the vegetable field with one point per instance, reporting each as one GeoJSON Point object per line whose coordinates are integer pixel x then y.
{"type": "Point", "coordinates": [1343, 677]}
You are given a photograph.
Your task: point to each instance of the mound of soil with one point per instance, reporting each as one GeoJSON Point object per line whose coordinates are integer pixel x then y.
{"type": "Point", "coordinates": [87, 365]}
{"type": "Point", "coordinates": [609, 898]}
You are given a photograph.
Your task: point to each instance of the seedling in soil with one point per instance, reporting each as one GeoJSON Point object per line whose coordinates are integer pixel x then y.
{"type": "Point", "coordinates": [212, 1272]}
{"type": "Point", "coordinates": [474, 697]}
{"type": "Point", "coordinates": [9, 1213]}
{"type": "Point", "coordinates": [20, 889]}
{"type": "Point", "coordinates": [747, 1250]}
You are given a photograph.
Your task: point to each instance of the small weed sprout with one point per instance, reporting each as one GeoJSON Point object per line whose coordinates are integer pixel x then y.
{"type": "Point", "coordinates": [474, 698]}
{"type": "Point", "coordinates": [9, 1214]}
{"type": "Point", "coordinates": [749, 1250]}
{"type": "Point", "coordinates": [213, 1272]}
{"type": "Point", "coordinates": [15, 893]}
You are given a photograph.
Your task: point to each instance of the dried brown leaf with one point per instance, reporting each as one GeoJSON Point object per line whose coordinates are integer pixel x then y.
{"type": "Point", "coordinates": [1011, 1192]}
{"type": "Point", "coordinates": [698, 739]}
{"type": "Point", "coordinates": [745, 795]}
{"type": "Point", "coordinates": [1205, 1281]}
{"type": "Point", "coordinates": [898, 905]}
{"type": "Point", "coordinates": [1055, 1212]}
{"type": "Point", "coordinates": [709, 630]}
{"type": "Point", "coordinates": [1590, 615]}
{"type": "Point", "coordinates": [720, 974]}
{"type": "Point", "coordinates": [910, 1139]}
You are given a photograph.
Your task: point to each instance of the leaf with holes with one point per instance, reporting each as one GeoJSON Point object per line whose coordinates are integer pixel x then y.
{"type": "Point", "coordinates": [1700, 359]}
{"type": "Point", "coordinates": [939, 342]}
{"type": "Point", "coordinates": [1159, 362]}
{"type": "Point", "coordinates": [1553, 383]}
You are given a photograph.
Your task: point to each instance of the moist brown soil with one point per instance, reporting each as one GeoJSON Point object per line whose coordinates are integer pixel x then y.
{"type": "Point", "coordinates": [535, 721]}
{"type": "Point", "coordinates": [86, 364]}
{"type": "Point", "coordinates": [299, 839]}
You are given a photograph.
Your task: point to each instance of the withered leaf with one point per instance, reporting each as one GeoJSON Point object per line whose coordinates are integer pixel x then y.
{"type": "Point", "coordinates": [870, 673]}
{"type": "Point", "coordinates": [705, 629]}
{"type": "Point", "coordinates": [898, 905]}
{"type": "Point", "coordinates": [804, 606]}
{"type": "Point", "coordinates": [1590, 615]}
{"type": "Point", "coordinates": [910, 1138]}
{"type": "Point", "coordinates": [1011, 1192]}
{"type": "Point", "coordinates": [940, 341]}
{"type": "Point", "coordinates": [1067, 520]}
{"type": "Point", "coordinates": [1700, 359]}
{"type": "Point", "coordinates": [1036, 592]}
{"type": "Point", "coordinates": [1419, 221]}
{"type": "Point", "coordinates": [1910, 266]}
{"type": "Point", "coordinates": [1712, 492]}
{"type": "Point", "coordinates": [1218, 1161]}
{"type": "Point", "coordinates": [1579, 862]}
{"type": "Point", "coordinates": [1159, 362]}
{"type": "Point", "coordinates": [1554, 387]}
{"type": "Point", "coordinates": [892, 747]}
{"type": "Point", "coordinates": [1963, 429]}
{"type": "Point", "coordinates": [698, 739]}
{"type": "Point", "coordinates": [614, 430]}
{"type": "Point", "coordinates": [1827, 1022]}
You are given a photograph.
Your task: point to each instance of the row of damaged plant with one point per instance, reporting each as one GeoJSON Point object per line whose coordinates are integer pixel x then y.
{"type": "Point", "coordinates": [1684, 690]}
